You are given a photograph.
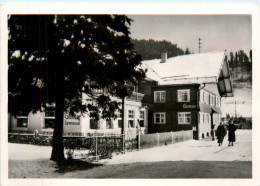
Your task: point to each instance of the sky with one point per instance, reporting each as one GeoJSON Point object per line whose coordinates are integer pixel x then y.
{"type": "Point", "coordinates": [218, 32]}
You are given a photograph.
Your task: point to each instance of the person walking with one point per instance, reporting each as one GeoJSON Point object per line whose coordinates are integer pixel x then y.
{"type": "Point", "coordinates": [221, 133]}
{"type": "Point", "coordinates": [231, 133]}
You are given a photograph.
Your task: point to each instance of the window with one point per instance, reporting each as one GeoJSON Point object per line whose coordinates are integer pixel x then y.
{"type": "Point", "coordinates": [159, 118]}
{"type": "Point", "coordinates": [49, 123]}
{"type": "Point", "coordinates": [212, 99]}
{"type": "Point", "coordinates": [201, 118]}
{"type": "Point", "coordinates": [49, 117]}
{"type": "Point", "coordinates": [204, 118]}
{"type": "Point", "coordinates": [141, 118]}
{"type": "Point", "coordinates": [218, 101]}
{"type": "Point", "coordinates": [207, 118]}
{"type": "Point", "coordinates": [207, 98]}
{"type": "Point", "coordinates": [159, 96]}
{"type": "Point", "coordinates": [109, 124]}
{"type": "Point", "coordinates": [131, 119]}
{"type": "Point", "coordinates": [94, 124]}
{"type": "Point", "coordinates": [184, 118]}
{"type": "Point", "coordinates": [119, 119]}
{"type": "Point", "coordinates": [184, 95]}
{"type": "Point", "coordinates": [22, 121]}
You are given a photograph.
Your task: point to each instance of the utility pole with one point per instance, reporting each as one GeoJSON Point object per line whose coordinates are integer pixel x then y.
{"type": "Point", "coordinates": [235, 109]}
{"type": "Point", "coordinates": [200, 44]}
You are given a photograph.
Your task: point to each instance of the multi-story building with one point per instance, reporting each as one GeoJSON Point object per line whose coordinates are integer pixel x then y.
{"type": "Point", "coordinates": [189, 91]}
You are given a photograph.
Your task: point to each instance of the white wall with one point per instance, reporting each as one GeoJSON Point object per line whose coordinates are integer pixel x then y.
{"type": "Point", "coordinates": [35, 121]}
{"type": "Point", "coordinates": [204, 128]}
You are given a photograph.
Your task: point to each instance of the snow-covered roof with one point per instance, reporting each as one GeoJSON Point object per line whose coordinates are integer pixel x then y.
{"type": "Point", "coordinates": [150, 73]}
{"type": "Point", "coordinates": [201, 68]}
{"type": "Point", "coordinates": [188, 68]}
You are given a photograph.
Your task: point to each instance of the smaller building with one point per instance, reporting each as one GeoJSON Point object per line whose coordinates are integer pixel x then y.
{"type": "Point", "coordinates": [136, 120]}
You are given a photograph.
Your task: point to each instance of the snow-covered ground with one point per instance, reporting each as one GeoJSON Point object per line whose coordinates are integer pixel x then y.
{"type": "Point", "coordinates": [191, 150]}
{"type": "Point", "coordinates": [27, 152]}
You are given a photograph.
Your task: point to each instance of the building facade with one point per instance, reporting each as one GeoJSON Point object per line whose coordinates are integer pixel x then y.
{"type": "Point", "coordinates": [179, 93]}
{"type": "Point", "coordinates": [186, 107]}
{"type": "Point", "coordinates": [188, 98]}
{"type": "Point", "coordinates": [136, 120]}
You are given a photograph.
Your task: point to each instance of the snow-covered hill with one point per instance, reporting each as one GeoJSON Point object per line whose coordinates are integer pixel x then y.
{"type": "Point", "coordinates": [241, 102]}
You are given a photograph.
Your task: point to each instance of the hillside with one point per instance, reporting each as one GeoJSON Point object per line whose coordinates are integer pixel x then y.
{"type": "Point", "coordinates": [152, 49]}
{"type": "Point", "coordinates": [240, 68]}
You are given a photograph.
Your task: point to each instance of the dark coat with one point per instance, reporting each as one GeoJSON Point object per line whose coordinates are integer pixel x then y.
{"type": "Point", "coordinates": [231, 133]}
{"type": "Point", "coordinates": [220, 133]}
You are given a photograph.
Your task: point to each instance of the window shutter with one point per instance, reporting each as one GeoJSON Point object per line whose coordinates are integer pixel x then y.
{"type": "Point", "coordinates": [194, 117]}
{"type": "Point", "coordinates": [175, 95]}
{"type": "Point", "coordinates": [193, 95]}
{"type": "Point", "coordinates": [168, 96]}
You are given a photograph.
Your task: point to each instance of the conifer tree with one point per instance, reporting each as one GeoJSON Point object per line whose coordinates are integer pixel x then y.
{"type": "Point", "coordinates": [55, 59]}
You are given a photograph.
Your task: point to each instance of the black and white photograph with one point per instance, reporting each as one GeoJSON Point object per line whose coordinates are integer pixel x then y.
{"type": "Point", "coordinates": [128, 96]}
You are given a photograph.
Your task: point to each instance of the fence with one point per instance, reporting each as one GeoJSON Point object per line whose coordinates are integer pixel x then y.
{"type": "Point", "coordinates": [98, 146]}
{"type": "Point", "coordinates": [158, 139]}
{"type": "Point", "coordinates": [40, 139]}
{"type": "Point", "coordinates": [93, 147]}
{"type": "Point", "coordinates": [103, 146]}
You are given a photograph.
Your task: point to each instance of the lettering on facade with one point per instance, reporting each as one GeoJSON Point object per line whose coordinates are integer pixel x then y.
{"type": "Point", "coordinates": [72, 120]}
{"type": "Point", "coordinates": [188, 106]}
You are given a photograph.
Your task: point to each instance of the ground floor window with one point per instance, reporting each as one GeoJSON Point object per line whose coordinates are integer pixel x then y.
{"type": "Point", "coordinates": [119, 119]}
{"type": "Point", "coordinates": [49, 117]}
{"type": "Point", "coordinates": [184, 117]}
{"type": "Point", "coordinates": [22, 121]}
{"type": "Point", "coordinates": [141, 118]}
{"type": "Point", "coordinates": [109, 124]}
{"type": "Point", "coordinates": [131, 118]}
{"type": "Point", "coordinates": [159, 117]}
{"type": "Point", "coordinates": [49, 123]}
{"type": "Point", "coordinates": [94, 124]}
{"type": "Point", "coordinates": [207, 118]}
{"type": "Point", "coordinates": [216, 119]}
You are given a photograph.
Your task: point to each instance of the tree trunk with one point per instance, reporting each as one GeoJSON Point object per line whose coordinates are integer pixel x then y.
{"type": "Point", "coordinates": [57, 145]}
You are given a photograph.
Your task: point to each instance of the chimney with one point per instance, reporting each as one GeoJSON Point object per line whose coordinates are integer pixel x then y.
{"type": "Point", "coordinates": [164, 56]}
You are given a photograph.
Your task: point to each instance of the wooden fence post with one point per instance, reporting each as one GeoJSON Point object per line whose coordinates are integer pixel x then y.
{"type": "Point", "coordinates": [96, 144]}
{"type": "Point", "coordinates": [139, 143]}
{"type": "Point", "coordinates": [158, 139]}
{"type": "Point", "coordinates": [123, 138]}
{"type": "Point", "coordinates": [172, 136]}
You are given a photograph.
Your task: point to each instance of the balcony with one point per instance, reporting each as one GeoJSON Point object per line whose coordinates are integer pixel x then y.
{"type": "Point", "coordinates": [136, 97]}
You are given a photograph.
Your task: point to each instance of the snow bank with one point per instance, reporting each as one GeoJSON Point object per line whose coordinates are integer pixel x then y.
{"type": "Point", "coordinates": [28, 152]}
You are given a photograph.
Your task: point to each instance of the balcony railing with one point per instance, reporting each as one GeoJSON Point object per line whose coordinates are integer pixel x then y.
{"type": "Point", "coordinates": [136, 96]}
